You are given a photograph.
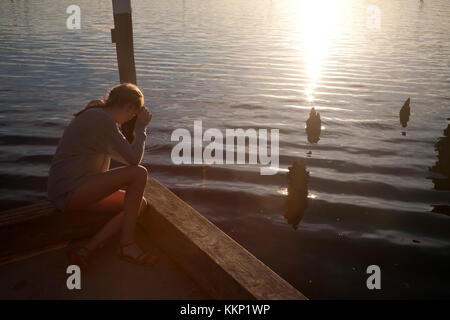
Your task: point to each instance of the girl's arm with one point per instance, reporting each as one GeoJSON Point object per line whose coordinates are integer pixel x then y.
{"type": "Point", "coordinates": [118, 147]}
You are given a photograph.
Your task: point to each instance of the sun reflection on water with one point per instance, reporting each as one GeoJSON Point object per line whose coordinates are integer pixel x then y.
{"type": "Point", "coordinates": [318, 25]}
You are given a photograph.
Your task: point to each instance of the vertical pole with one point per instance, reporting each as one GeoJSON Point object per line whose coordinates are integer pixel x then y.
{"type": "Point", "coordinates": [122, 36]}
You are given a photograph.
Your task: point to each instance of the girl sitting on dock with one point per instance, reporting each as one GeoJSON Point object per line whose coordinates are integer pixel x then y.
{"type": "Point", "coordinates": [80, 179]}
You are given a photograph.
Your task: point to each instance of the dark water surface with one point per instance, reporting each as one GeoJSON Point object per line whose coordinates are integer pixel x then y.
{"type": "Point", "coordinates": [261, 64]}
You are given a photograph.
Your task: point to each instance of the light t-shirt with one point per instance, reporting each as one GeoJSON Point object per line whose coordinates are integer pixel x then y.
{"type": "Point", "coordinates": [86, 148]}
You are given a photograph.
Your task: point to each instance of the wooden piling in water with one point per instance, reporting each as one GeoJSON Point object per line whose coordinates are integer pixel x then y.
{"type": "Point", "coordinates": [122, 36]}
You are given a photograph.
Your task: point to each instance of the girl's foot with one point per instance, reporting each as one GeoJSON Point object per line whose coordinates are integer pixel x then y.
{"type": "Point", "coordinates": [132, 253]}
{"type": "Point", "coordinates": [79, 256]}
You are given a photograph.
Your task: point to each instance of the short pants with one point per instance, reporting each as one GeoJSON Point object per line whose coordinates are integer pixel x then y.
{"type": "Point", "coordinates": [61, 201]}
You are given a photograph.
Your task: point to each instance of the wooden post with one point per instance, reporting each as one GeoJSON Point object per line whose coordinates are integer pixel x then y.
{"type": "Point", "coordinates": [122, 36]}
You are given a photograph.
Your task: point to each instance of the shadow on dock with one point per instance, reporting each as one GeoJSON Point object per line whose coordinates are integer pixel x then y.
{"type": "Point", "coordinates": [43, 276]}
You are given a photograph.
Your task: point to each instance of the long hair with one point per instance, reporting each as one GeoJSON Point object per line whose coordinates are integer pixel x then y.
{"type": "Point", "coordinates": [120, 95]}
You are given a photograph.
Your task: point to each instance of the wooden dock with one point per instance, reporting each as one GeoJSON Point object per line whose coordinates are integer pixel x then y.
{"type": "Point", "coordinates": [205, 262]}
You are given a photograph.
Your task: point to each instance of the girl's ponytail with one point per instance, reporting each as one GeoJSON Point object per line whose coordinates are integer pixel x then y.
{"type": "Point", "coordinates": [98, 103]}
{"type": "Point", "coordinates": [120, 95]}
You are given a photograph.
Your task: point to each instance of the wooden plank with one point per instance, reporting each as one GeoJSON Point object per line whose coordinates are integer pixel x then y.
{"type": "Point", "coordinates": [26, 209]}
{"type": "Point", "coordinates": [26, 213]}
{"type": "Point", "coordinates": [42, 225]}
{"type": "Point", "coordinates": [222, 267]}
{"type": "Point", "coordinates": [30, 254]}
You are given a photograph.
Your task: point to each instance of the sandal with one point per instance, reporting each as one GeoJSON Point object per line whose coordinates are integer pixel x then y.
{"type": "Point", "coordinates": [80, 255]}
{"type": "Point", "coordinates": [144, 259]}
{"type": "Point", "coordinates": [77, 257]}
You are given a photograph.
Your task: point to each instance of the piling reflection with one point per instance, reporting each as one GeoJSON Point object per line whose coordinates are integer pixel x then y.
{"type": "Point", "coordinates": [313, 126]}
{"type": "Point", "coordinates": [442, 166]}
{"type": "Point", "coordinates": [297, 199]}
{"type": "Point", "coordinates": [404, 114]}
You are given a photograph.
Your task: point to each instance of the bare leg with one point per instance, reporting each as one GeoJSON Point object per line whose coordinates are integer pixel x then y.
{"type": "Point", "coordinates": [106, 232]}
{"type": "Point", "coordinates": [133, 205]}
{"type": "Point", "coordinates": [113, 226]}
{"type": "Point", "coordinates": [98, 187]}
{"type": "Point", "coordinates": [133, 201]}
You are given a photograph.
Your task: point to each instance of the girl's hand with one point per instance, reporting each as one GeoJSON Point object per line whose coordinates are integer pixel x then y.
{"type": "Point", "coordinates": [144, 116]}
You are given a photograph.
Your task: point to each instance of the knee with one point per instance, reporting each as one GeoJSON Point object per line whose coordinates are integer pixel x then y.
{"type": "Point", "coordinates": [143, 205]}
{"type": "Point", "coordinates": [140, 172]}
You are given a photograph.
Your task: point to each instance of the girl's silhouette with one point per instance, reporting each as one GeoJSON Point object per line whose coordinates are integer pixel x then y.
{"type": "Point", "coordinates": [80, 179]}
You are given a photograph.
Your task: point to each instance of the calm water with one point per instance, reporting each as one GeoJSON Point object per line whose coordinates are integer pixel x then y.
{"type": "Point", "coordinates": [260, 64]}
